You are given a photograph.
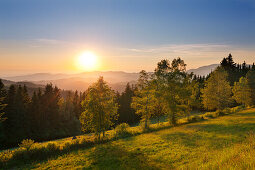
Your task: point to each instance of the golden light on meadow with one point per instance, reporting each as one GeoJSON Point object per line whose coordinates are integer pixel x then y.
{"type": "Point", "coordinates": [87, 61]}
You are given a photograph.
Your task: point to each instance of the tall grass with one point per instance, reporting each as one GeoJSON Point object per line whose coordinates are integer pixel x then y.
{"type": "Point", "coordinates": [29, 152]}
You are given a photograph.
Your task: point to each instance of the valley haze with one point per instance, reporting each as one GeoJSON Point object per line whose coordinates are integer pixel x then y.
{"type": "Point", "coordinates": [81, 81]}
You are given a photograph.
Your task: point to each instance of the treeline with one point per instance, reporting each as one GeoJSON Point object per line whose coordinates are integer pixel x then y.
{"type": "Point", "coordinates": [46, 115]}
{"type": "Point", "coordinates": [173, 92]}
{"type": "Point", "coordinates": [168, 91]}
{"type": "Point", "coordinates": [49, 113]}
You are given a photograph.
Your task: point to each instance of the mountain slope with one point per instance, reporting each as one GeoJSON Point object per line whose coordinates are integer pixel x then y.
{"type": "Point", "coordinates": [222, 143]}
{"type": "Point", "coordinates": [111, 76]}
{"type": "Point", "coordinates": [116, 79]}
{"type": "Point", "coordinates": [204, 70]}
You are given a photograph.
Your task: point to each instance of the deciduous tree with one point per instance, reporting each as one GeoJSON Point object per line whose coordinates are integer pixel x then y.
{"type": "Point", "coordinates": [99, 108]}
{"type": "Point", "coordinates": [242, 92]}
{"type": "Point", "coordinates": [217, 91]}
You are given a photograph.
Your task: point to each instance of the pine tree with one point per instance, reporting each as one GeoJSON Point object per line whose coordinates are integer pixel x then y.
{"type": "Point", "coordinates": [2, 96]}
{"type": "Point", "coordinates": [12, 124]}
{"type": "Point", "coordinates": [126, 113]}
{"type": "Point", "coordinates": [76, 104]}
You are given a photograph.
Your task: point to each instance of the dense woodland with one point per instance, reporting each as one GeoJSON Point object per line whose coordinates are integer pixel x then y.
{"type": "Point", "coordinates": [169, 91]}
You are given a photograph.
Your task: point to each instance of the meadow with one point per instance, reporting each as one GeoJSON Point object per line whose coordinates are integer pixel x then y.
{"type": "Point", "coordinates": [225, 142]}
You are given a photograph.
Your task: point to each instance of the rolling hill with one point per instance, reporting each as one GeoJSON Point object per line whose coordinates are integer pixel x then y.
{"type": "Point", "coordinates": [221, 143]}
{"type": "Point", "coordinates": [81, 81]}
{"type": "Point", "coordinates": [116, 79]}
{"type": "Point", "coordinates": [204, 70]}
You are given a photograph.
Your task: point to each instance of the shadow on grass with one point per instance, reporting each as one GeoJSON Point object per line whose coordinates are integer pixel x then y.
{"type": "Point", "coordinates": [237, 129]}
{"type": "Point", "coordinates": [215, 136]}
{"type": "Point", "coordinates": [117, 157]}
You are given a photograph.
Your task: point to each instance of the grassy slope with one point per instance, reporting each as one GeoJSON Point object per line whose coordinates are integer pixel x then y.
{"type": "Point", "coordinates": [211, 143]}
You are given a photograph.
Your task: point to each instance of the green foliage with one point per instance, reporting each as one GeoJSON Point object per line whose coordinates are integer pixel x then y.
{"type": "Point", "coordinates": [251, 82]}
{"type": "Point", "coordinates": [217, 91]}
{"type": "Point", "coordinates": [99, 108]}
{"type": "Point", "coordinates": [200, 145]}
{"type": "Point", "coordinates": [122, 130]}
{"type": "Point", "coordinates": [195, 118]}
{"type": "Point", "coordinates": [126, 112]}
{"type": "Point", "coordinates": [171, 82]}
{"type": "Point", "coordinates": [242, 92]}
{"type": "Point", "coordinates": [2, 106]}
{"type": "Point", "coordinates": [44, 116]}
{"type": "Point", "coordinates": [144, 99]}
{"type": "Point", "coordinates": [26, 143]}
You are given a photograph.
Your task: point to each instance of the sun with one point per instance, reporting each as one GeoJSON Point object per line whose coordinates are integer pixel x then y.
{"type": "Point", "coordinates": [87, 61]}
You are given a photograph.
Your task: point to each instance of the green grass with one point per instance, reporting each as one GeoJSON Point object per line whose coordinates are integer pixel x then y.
{"type": "Point", "coordinates": [220, 143]}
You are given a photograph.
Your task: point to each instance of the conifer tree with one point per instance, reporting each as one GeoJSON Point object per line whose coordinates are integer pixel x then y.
{"type": "Point", "coordinates": [126, 112]}
{"type": "Point", "coordinates": [2, 96]}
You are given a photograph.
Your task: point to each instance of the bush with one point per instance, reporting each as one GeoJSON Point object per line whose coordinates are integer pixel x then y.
{"type": "Point", "coordinates": [218, 113]}
{"type": "Point", "coordinates": [227, 111]}
{"type": "Point", "coordinates": [195, 118]}
{"type": "Point", "coordinates": [52, 148]}
{"type": "Point", "coordinates": [67, 146]}
{"type": "Point", "coordinates": [26, 143]}
{"type": "Point", "coordinates": [122, 130]}
{"type": "Point", "coordinates": [209, 114]}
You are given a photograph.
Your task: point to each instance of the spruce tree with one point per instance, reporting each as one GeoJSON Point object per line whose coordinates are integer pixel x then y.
{"type": "Point", "coordinates": [126, 113]}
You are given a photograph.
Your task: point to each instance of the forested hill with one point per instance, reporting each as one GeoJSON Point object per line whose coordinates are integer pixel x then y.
{"type": "Point", "coordinates": [81, 81]}
{"type": "Point", "coordinates": [31, 87]}
{"type": "Point", "coordinates": [167, 92]}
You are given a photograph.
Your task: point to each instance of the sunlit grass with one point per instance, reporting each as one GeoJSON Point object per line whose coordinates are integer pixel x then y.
{"type": "Point", "coordinates": [221, 143]}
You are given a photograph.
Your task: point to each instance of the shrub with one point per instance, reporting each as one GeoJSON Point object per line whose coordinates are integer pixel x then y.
{"type": "Point", "coordinates": [227, 111]}
{"type": "Point", "coordinates": [67, 146]}
{"type": "Point", "coordinates": [208, 115]}
{"type": "Point", "coordinates": [122, 130]}
{"type": "Point", "coordinates": [142, 125]}
{"type": "Point", "coordinates": [219, 113]}
{"type": "Point", "coordinates": [26, 143]}
{"type": "Point", "coordinates": [52, 148]}
{"type": "Point", "coordinates": [195, 118]}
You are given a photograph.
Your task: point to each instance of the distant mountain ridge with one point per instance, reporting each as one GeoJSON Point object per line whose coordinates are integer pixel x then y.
{"type": "Point", "coordinates": [111, 76]}
{"type": "Point", "coordinates": [204, 70]}
{"type": "Point", "coordinates": [81, 81]}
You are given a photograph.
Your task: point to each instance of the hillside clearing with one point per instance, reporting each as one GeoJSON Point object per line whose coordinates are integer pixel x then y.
{"type": "Point", "coordinates": [214, 143]}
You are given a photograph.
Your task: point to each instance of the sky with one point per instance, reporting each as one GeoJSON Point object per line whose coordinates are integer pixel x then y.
{"type": "Point", "coordinates": [126, 35]}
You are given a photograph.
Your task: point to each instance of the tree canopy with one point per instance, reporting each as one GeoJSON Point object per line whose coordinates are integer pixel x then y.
{"type": "Point", "coordinates": [99, 108]}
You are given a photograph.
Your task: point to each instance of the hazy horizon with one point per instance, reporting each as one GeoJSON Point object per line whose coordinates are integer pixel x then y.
{"type": "Point", "coordinates": [49, 36]}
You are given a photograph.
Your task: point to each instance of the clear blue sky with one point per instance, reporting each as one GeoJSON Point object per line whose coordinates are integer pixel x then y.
{"type": "Point", "coordinates": [123, 32]}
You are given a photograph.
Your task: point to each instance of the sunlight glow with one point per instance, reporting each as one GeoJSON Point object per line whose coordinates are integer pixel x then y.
{"type": "Point", "coordinates": [87, 61]}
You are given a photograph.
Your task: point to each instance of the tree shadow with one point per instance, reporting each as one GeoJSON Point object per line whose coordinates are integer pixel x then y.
{"type": "Point", "coordinates": [114, 156]}
{"type": "Point", "coordinates": [228, 129]}
{"type": "Point", "coordinates": [215, 136]}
